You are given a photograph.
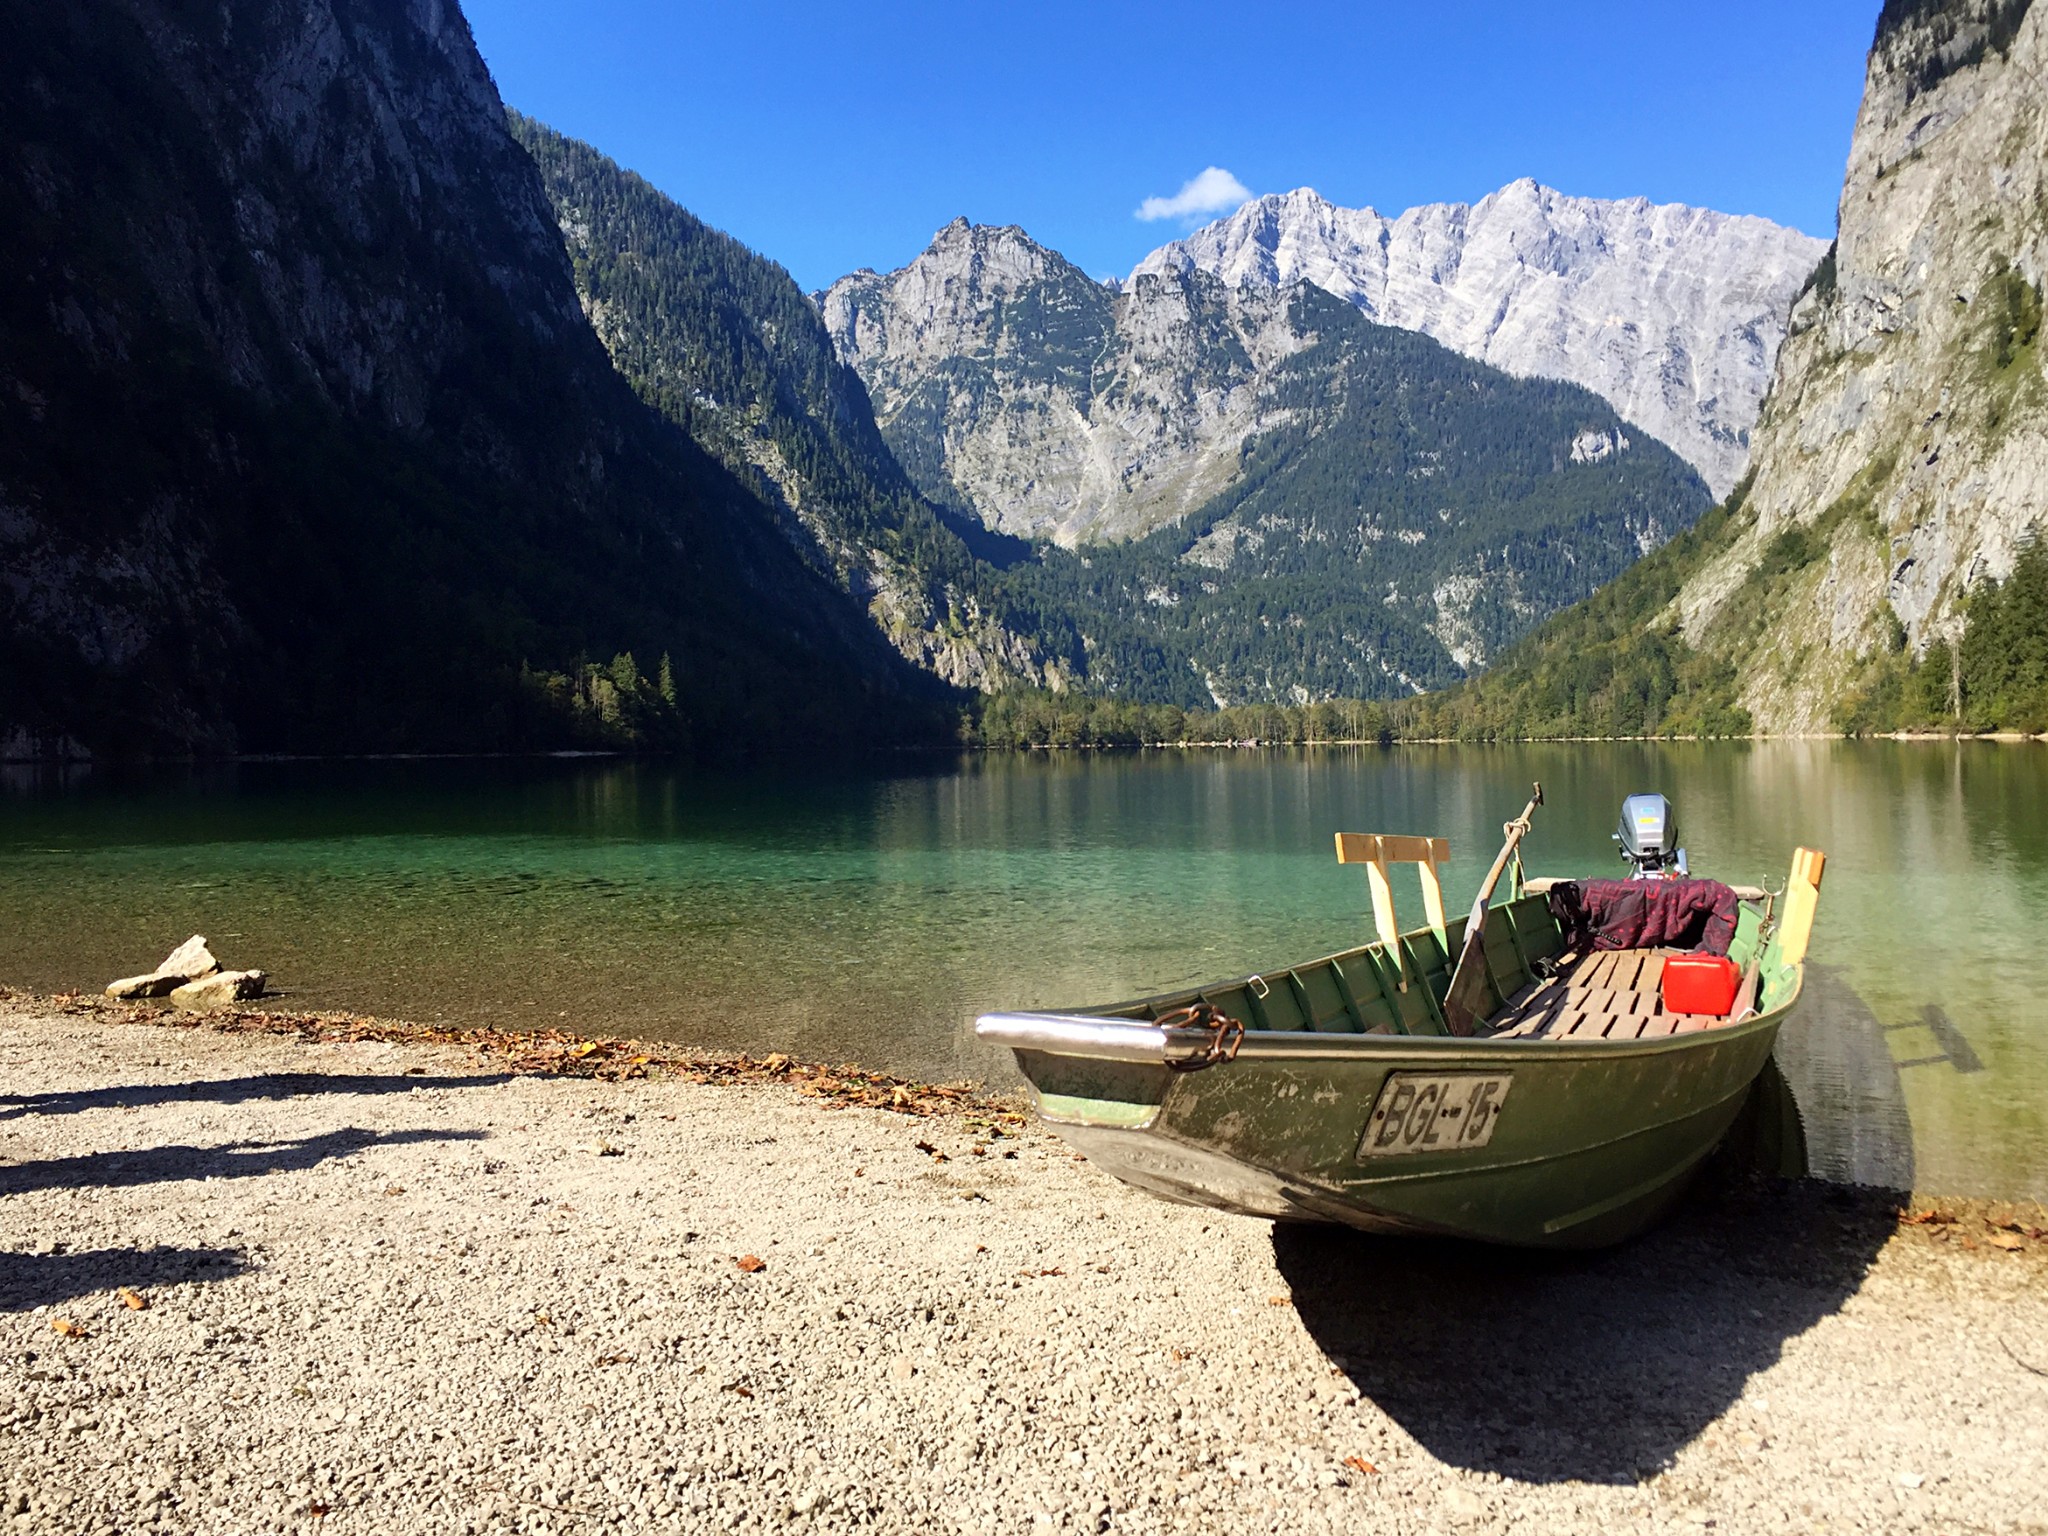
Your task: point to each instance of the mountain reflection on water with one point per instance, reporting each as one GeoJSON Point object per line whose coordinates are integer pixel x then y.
{"type": "Point", "coordinates": [872, 916]}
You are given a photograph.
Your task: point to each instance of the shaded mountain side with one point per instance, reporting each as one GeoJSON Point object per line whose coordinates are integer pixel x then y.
{"type": "Point", "coordinates": [305, 443]}
{"type": "Point", "coordinates": [722, 342]}
{"type": "Point", "coordinates": [1613, 665]}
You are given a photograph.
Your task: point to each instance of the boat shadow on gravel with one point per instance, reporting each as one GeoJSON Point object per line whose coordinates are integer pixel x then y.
{"type": "Point", "coordinates": [1595, 1367]}
{"type": "Point", "coordinates": [230, 1160]}
{"type": "Point", "coordinates": [232, 1090]}
{"type": "Point", "coordinates": [30, 1280]}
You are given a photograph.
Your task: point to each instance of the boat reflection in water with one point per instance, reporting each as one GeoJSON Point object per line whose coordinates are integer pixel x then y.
{"type": "Point", "coordinates": [1834, 1079]}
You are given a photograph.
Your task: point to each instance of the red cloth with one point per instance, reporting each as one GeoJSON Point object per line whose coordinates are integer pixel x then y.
{"type": "Point", "coordinates": [1646, 914]}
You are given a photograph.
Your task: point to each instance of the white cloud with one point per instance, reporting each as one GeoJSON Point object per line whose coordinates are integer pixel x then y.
{"type": "Point", "coordinates": [1214, 191]}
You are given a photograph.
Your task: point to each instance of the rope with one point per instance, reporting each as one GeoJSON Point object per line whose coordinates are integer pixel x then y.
{"type": "Point", "coordinates": [1225, 1035]}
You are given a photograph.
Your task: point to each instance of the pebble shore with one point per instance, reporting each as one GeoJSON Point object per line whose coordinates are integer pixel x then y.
{"type": "Point", "coordinates": [266, 1282]}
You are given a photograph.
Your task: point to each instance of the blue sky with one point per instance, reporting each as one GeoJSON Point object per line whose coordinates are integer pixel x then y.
{"type": "Point", "coordinates": [836, 137]}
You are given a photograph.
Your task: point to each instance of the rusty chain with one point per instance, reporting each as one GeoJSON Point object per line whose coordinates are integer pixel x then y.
{"type": "Point", "coordinates": [1225, 1035]}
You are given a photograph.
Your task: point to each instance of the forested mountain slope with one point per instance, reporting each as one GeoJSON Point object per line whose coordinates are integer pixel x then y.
{"type": "Point", "coordinates": [305, 443]}
{"type": "Point", "coordinates": [723, 342]}
{"type": "Point", "coordinates": [1408, 513]}
{"type": "Point", "coordinates": [1267, 495]}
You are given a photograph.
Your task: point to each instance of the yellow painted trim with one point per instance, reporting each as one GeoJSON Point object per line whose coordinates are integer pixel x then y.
{"type": "Point", "coordinates": [1802, 900]}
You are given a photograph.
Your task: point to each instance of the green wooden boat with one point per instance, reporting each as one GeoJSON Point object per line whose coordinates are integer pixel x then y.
{"type": "Point", "coordinates": [1333, 1090]}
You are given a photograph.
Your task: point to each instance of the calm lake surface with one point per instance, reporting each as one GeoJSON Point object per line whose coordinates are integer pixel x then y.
{"type": "Point", "coordinates": [871, 917]}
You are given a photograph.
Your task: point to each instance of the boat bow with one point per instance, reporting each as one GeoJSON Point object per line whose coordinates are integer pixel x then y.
{"type": "Point", "coordinates": [1100, 1039]}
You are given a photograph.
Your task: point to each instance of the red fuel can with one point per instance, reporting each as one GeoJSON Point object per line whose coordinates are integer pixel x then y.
{"type": "Point", "coordinates": [1700, 984]}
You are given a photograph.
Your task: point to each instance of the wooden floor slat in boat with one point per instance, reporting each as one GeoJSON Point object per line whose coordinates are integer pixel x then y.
{"type": "Point", "coordinates": [1608, 995]}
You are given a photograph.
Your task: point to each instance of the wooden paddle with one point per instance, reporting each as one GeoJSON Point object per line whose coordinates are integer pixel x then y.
{"type": "Point", "coordinates": [1467, 992]}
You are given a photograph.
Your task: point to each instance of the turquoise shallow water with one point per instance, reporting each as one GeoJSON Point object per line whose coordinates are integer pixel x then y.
{"type": "Point", "coordinates": [870, 917]}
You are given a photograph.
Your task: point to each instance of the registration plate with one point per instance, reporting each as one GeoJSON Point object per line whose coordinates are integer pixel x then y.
{"type": "Point", "coordinates": [1424, 1112]}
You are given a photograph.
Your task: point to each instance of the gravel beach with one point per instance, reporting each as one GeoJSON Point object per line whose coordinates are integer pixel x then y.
{"type": "Point", "coordinates": [255, 1283]}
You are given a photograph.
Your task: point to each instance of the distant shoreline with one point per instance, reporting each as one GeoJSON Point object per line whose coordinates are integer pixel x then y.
{"type": "Point", "coordinates": [2007, 738]}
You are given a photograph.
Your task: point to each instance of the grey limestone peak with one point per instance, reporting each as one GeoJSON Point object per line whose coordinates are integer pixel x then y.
{"type": "Point", "coordinates": [1673, 314]}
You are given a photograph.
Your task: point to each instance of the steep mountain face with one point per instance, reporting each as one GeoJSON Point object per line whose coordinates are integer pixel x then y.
{"type": "Point", "coordinates": [1403, 514]}
{"type": "Point", "coordinates": [1671, 314]}
{"type": "Point", "coordinates": [1899, 484]}
{"type": "Point", "coordinates": [1902, 459]}
{"type": "Point", "coordinates": [723, 342]}
{"type": "Point", "coordinates": [305, 442]}
{"type": "Point", "coordinates": [1013, 385]}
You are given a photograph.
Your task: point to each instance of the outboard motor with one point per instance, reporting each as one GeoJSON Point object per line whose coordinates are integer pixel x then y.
{"type": "Point", "coordinates": [1649, 838]}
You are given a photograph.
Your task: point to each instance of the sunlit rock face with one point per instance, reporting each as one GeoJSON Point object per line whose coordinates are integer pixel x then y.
{"type": "Point", "coordinates": [1672, 314]}
{"type": "Point", "coordinates": [1013, 385]}
{"type": "Point", "coordinates": [1904, 446]}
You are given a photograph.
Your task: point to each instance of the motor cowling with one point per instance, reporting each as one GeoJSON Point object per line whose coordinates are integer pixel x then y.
{"type": "Point", "coordinates": [1648, 835]}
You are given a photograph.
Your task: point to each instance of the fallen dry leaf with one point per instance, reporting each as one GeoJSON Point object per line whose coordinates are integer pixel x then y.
{"type": "Point", "coordinates": [748, 1264]}
{"type": "Point", "coordinates": [67, 1328]}
{"type": "Point", "coordinates": [775, 1062]}
{"type": "Point", "coordinates": [741, 1388]}
{"type": "Point", "coordinates": [134, 1301]}
{"type": "Point", "coordinates": [1360, 1464]}
{"type": "Point", "coordinates": [2011, 1242]}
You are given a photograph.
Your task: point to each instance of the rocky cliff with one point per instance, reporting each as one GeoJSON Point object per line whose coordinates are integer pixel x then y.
{"type": "Point", "coordinates": [1902, 457]}
{"type": "Point", "coordinates": [1012, 384]}
{"type": "Point", "coordinates": [305, 441]}
{"type": "Point", "coordinates": [1671, 314]}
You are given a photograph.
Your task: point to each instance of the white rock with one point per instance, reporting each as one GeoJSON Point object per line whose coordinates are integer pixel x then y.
{"type": "Point", "coordinates": [191, 960]}
{"type": "Point", "coordinates": [188, 962]}
{"type": "Point", "coordinates": [218, 990]}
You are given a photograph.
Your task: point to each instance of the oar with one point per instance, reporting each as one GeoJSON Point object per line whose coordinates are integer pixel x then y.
{"type": "Point", "coordinates": [1467, 991]}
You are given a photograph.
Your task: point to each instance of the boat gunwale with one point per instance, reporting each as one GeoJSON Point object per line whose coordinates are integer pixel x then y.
{"type": "Point", "coordinates": [1106, 1032]}
{"type": "Point", "coordinates": [1096, 1038]}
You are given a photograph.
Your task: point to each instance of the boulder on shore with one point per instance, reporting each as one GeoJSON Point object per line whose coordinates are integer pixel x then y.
{"type": "Point", "coordinates": [155, 984]}
{"type": "Point", "coordinates": [191, 960]}
{"type": "Point", "coordinates": [218, 990]}
{"type": "Point", "coordinates": [188, 962]}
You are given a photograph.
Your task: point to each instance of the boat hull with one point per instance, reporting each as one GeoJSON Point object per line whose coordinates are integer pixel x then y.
{"type": "Point", "coordinates": [1590, 1144]}
{"type": "Point", "coordinates": [1570, 1132]}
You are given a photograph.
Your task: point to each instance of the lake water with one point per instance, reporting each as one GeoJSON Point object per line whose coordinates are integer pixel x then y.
{"type": "Point", "coordinates": [871, 917]}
